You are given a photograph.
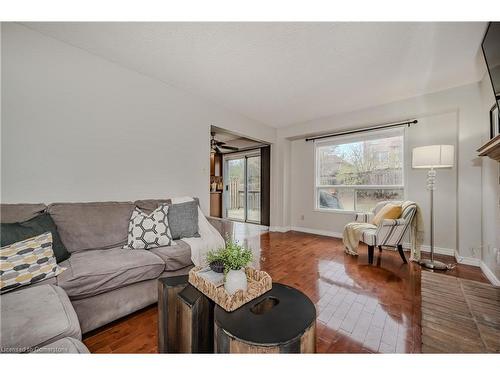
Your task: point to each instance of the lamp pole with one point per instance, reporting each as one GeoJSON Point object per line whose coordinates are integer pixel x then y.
{"type": "Point", "coordinates": [431, 179]}
{"type": "Point", "coordinates": [431, 263]}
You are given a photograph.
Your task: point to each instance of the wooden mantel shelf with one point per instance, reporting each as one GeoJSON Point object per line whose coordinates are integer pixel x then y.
{"type": "Point", "coordinates": [491, 148]}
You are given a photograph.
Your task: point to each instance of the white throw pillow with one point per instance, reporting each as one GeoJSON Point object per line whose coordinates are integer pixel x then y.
{"type": "Point", "coordinates": [149, 231]}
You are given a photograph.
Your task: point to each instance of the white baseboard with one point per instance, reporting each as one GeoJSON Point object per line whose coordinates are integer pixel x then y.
{"type": "Point", "coordinates": [467, 260]}
{"type": "Point", "coordinates": [437, 250]}
{"type": "Point", "coordinates": [489, 274]}
{"type": "Point", "coordinates": [470, 261]}
{"type": "Point", "coordinates": [425, 248]}
{"type": "Point", "coordinates": [279, 229]}
{"type": "Point", "coordinates": [318, 231]}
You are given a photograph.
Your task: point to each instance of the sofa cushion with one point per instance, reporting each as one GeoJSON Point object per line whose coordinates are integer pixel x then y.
{"type": "Point", "coordinates": [183, 220]}
{"type": "Point", "coordinates": [90, 226]}
{"type": "Point", "coordinates": [35, 317]}
{"type": "Point", "coordinates": [67, 345]}
{"type": "Point", "coordinates": [93, 272]}
{"type": "Point", "coordinates": [14, 213]}
{"type": "Point", "coordinates": [149, 205]}
{"type": "Point", "coordinates": [15, 232]}
{"type": "Point", "coordinates": [176, 256]}
{"type": "Point", "coordinates": [48, 281]}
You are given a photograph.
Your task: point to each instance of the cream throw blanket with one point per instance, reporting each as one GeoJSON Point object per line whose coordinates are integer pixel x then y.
{"type": "Point", "coordinates": [353, 232]}
{"type": "Point", "coordinates": [210, 238]}
{"type": "Point", "coordinates": [352, 235]}
{"type": "Point", "coordinates": [417, 231]}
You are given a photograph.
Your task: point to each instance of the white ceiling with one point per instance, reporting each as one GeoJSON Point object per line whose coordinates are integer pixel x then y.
{"type": "Point", "coordinates": [284, 73]}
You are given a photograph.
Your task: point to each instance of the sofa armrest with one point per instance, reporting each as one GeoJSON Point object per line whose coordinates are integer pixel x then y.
{"type": "Point", "coordinates": [363, 217]}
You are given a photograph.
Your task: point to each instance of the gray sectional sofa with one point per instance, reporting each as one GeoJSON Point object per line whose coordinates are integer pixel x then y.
{"type": "Point", "coordinates": [39, 318]}
{"type": "Point", "coordinates": [102, 282]}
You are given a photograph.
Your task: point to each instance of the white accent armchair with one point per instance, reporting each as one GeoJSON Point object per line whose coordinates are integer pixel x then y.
{"type": "Point", "coordinates": [389, 232]}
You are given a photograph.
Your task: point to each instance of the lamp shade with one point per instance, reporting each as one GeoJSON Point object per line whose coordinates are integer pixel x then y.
{"type": "Point", "coordinates": [435, 156]}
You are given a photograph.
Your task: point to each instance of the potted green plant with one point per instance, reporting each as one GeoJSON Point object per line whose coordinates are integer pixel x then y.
{"type": "Point", "coordinates": [235, 258]}
{"type": "Point", "coordinates": [215, 260]}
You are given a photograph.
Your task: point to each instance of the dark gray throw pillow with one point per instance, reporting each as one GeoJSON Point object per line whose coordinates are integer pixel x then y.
{"type": "Point", "coordinates": [16, 232]}
{"type": "Point", "coordinates": [183, 220]}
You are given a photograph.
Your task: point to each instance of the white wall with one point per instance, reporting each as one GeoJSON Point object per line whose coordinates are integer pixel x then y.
{"type": "Point", "coordinates": [461, 119]}
{"type": "Point", "coordinates": [490, 254]}
{"type": "Point", "coordinates": [76, 127]}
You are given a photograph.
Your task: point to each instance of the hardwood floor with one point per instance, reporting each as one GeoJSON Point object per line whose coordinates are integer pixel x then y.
{"type": "Point", "coordinates": [459, 316]}
{"type": "Point", "coordinates": [361, 308]}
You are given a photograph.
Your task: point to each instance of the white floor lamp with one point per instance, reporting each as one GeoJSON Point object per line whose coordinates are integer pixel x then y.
{"type": "Point", "coordinates": [433, 157]}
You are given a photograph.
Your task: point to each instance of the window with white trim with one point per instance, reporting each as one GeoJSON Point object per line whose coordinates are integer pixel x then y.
{"type": "Point", "coordinates": [355, 172]}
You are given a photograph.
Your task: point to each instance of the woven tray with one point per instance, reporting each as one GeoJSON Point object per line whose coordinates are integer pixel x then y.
{"type": "Point", "coordinates": [259, 282]}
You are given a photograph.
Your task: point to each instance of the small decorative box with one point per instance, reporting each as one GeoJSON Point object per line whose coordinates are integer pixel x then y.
{"type": "Point", "coordinates": [259, 282]}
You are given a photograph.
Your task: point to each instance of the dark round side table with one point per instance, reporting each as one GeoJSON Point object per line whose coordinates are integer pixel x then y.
{"type": "Point", "coordinates": [283, 320]}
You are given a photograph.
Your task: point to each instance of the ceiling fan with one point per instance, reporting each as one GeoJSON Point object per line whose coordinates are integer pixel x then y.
{"type": "Point", "coordinates": [218, 146]}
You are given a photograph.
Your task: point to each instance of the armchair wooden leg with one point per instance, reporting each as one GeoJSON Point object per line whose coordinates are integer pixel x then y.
{"type": "Point", "coordinates": [370, 254]}
{"type": "Point", "coordinates": [401, 253]}
{"type": "Point", "coordinates": [379, 248]}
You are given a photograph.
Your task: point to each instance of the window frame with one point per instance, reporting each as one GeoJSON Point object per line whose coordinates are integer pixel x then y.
{"type": "Point", "coordinates": [351, 138]}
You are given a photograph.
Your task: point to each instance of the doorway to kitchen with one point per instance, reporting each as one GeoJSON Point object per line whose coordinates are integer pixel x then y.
{"type": "Point", "coordinates": [240, 178]}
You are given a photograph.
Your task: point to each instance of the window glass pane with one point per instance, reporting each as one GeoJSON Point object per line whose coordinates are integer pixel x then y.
{"type": "Point", "coordinates": [357, 172]}
{"type": "Point", "coordinates": [367, 199]}
{"type": "Point", "coordinates": [336, 198]}
{"type": "Point", "coordinates": [236, 194]}
{"type": "Point", "coordinates": [253, 188]}
{"type": "Point", "coordinates": [372, 161]}
{"type": "Point", "coordinates": [356, 199]}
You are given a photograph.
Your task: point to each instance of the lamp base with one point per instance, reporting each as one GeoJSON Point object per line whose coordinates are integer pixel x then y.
{"type": "Point", "coordinates": [433, 264]}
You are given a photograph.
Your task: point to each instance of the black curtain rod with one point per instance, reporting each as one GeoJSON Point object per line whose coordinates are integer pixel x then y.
{"type": "Point", "coordinates": [409, 122]}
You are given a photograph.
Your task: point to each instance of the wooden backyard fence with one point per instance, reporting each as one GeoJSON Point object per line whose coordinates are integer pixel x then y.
{"type": "Point", "coordinates": [237, 196]}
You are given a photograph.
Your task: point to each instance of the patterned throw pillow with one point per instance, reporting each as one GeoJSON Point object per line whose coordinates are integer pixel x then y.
{"type": "Point", "coordinates": [149, 231]}
{"type": "Point", "coordinates": [27, 262]}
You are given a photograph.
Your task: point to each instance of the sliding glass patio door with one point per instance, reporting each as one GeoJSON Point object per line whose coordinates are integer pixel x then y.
{"type": "Point", "coordinates": [235, 189]}
{"type": "Point", "coordinates": [242, 180]}
{"type": "Point", "coordinates": [253, 189]}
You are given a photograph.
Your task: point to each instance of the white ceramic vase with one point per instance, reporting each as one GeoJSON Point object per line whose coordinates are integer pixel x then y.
{"type": "Point", "coordinates": [235, 280]}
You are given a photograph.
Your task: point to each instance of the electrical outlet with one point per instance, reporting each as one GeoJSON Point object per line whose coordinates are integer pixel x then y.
{"type": "Point", "coordinates": [302, 217]}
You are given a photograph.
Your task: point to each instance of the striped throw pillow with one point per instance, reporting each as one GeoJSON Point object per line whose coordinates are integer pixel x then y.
{"type": "Point", "coordinates": [27, 262]}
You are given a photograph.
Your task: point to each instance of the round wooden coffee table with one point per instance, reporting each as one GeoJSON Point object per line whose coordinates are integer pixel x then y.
{"type": "Point", "coordinates": [282, 320]}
